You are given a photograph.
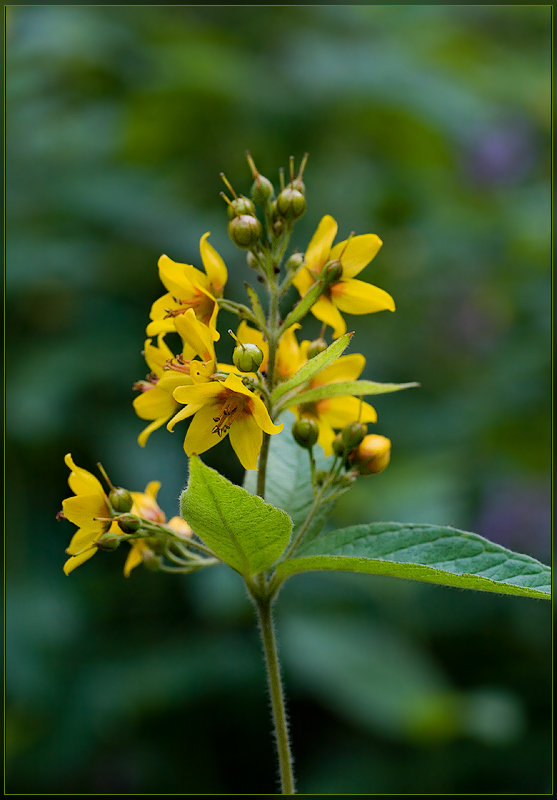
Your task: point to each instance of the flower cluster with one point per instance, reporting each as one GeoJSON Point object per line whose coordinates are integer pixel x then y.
{"type": "Point", "coordinates": [271, 371]}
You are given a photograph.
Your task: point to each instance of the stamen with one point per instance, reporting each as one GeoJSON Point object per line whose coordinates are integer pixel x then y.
{"type": "Point", "coordinates": [231, 409]}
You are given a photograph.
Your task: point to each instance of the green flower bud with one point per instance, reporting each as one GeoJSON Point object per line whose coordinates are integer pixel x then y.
{"type": "Point", "coordinates": [129, 524]}
{"type": "Point", "coordinates": [305, 432]}
{"type": "Point", "coordinates": [320, 476]}
{"type": "Point", "coordinates": [247, 357]}
{"type": "Point", "coordinates": [373, 455]}
{"type": "Point", "coordinates": [120, 500]}
{"type": "Point", "coordinates": [291, 203]}
{"type": "Point", "coordinates": [151, 561]}
{"type": "Point", "coordinates": [294, 262]}
{"type": "Point", "coordinates": [240, 205]}
{"type": "Point", "coordinates": [108, 541]}
{"type": "Point", "coordinates": [339, 448]}
{"type": "Point", "coordinates": [253, 262]}
{"type": "Point", "coordinates": [262, 190]}
{"type": "Point", "coordinates": [244, 230]}
{"type": "Point", "coordinates": [353, 435]}
{"type": "Point", "coordinates": [316, 347]}
{"type": "Point", "coordinates": [332, 271]}
{"type": "Point", "coordinates": [278, 226]}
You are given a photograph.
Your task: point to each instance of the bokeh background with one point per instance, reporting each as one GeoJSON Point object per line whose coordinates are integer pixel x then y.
{"type": "Point", "coordinates": [428, 125]}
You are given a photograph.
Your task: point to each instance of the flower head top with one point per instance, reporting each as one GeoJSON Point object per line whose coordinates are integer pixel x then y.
{"type": "Point", "coordinates": [343, 293]}
{"type": "Point", "coordinates": [222, 408]}
{"type": "Point", "coordinates": [188, 287]}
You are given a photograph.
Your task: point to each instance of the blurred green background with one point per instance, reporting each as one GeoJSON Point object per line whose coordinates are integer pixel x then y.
{"type": "Point", "coordinates": [428, 125]}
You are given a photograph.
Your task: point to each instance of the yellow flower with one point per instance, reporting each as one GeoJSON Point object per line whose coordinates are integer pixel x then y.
{"type": "Point", "coordinates": [188, 287]}
{"type": "Point", "coordinates": [345, 294]}
{"type": "Point", "coordinates": [155, 401]}
{"type": "Point", "coordinates": [288, 358]}
{"type": "Point", "coordinates": [222, 407]}
{"type": "Point", "coordinates": [85, 510]}
{"type": "Point", "coordinates": [336, 412]}
{"type": "Point", "coordinates": [145, 505]}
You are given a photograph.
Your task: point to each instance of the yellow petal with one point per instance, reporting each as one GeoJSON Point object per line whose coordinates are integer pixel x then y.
{"type": "Point", "coordinates": [157, 355]}
{"type": "Point", "coordinates": [83, 539]}
{"type": "Point", "coordinates": [199, 393]}
{"type": "Point", "coordinates": [214, 265]}
{"type": "Point", "coordinates": [154, 403]}
{"type": "Point", "coordinates": [81, 481]}
{"type": "Point", "coordinates": [76, 561]}
{"type": "Point", "coordinates": [303, 281]}
{"type": "Point", "coordinates": [179, 526]}
{"type": "Point", "coordinates": [200, 436]}
{"type": "Point", "coordinates": [341, 411]}
{"type": "Point", "coordinates": [246, 437]}
{"type": "Point", "coordinates": [320, 245]}
{"type": "Point", "coordinates": [262, 418]}
{"type": "Point", "coordinates": [325, 311]}
{"type": "Point", "coordinates": [357, 254]}
{"type": "Point", "coordinates": [135, 556]}
{"type": "Point", "coordinates": [184, 413]}
{"type": "Point", "coordinates": [177, 278]}
{"type": "Point", "coordinates": [146, 432]}
{"type": "Point", "coordinates": [83, 509]}
{"type": "Point", "coordinates": [195, 334]}
{"type": "Point", "coordinates": [289, 357]}
{"type": "Point", "coordinates": [358, 297]}
{"type": "Point", "coordinates": [326, 437]}
{"type": "Point", "coordinates": [345, 368]}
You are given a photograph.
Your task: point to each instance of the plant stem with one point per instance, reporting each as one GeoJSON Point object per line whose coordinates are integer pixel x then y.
{"type": "Point", "coordinates": [264, 611]}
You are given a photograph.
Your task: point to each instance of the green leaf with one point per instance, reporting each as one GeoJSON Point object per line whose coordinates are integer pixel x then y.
{"type": "Point", "coordinates": [342, 388]}
{"type": "Point", "coordinates": [427, 553]}
{"type": "Point", "coordinates": [313, 366]}
{"type": "Point", "coordinates": [288, 485]}
{"type": "Point", "coordinates": [244, 531]}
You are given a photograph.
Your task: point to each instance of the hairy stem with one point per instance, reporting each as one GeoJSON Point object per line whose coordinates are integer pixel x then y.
{"type": "Point", "coordinates": [264, 611]}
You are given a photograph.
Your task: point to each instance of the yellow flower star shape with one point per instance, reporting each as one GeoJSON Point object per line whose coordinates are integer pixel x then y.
{"type": "Point", "coordinates": [221, 408]}
{"type": "Point", "coordinates": [346, 294]}
{"type": "Point", "coordinates": [188, 287]}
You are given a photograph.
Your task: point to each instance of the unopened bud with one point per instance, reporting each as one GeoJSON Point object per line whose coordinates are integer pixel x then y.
{"type": "Point", "coordinates": [240, 205]}
{"type": "Point", "coordinates": [305, 432]}
{"type": "Point", "coordinates": [129, 524]}
{"type": "Point", "coordinates": [151, 561]}
{"type": "Point", "coordinates": [373, 455]}
{"type": "Point", "coordinates": [294, 262]}
{"type": "Point", "coordinates": [354, 434]}
{"type": "Point", "coordinates": [339, 448]}
{"type": "Point", "coordinates": [332, 271]}
{"type": "Point", "coordinates": [244, 230]}
{"type": "Point", "coordinates": [108, 541]}
{"type": "Point", "coordinates": [291, 203]}
{"type": "Point", "coordinates": [247, 357]}
{"type": "Point", "coordinates": [262, 190]}
{"type": "Point", "coordinates": [120, 500]}
{"type": "Point", "coordinates": [316, 347]}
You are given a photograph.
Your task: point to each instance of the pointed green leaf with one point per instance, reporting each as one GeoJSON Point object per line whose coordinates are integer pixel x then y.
{"type": "Point", "coordinates": [303, 306]}
{"type": "Point", "coordinates": [244, 531]}
{"type": "Point", "coordinates": [313, 366]}
{"type": "Point", "coordinates": [288, 485]}
{"type": "Point", "coordinates": [342, 388]}
{"type": "Point", "coordinates": [258, 312]}
{"type": "Point", "coordinates": [427, 553]}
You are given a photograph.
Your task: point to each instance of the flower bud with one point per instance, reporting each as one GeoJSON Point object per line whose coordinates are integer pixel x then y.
{"type": "Point", "coordinates": [244, 230]}
{"type": "Point", "coordinates": [108, 541]}
{"type": "Point", "coordinates": [353, 435]}
{"type": "Point", "coordinates": [291, 203]}
{"type": "Point", "coordinates": [305, 432]}
{"type": "Point", "coordinates": [129, 524]}
{"type": "Point", "coordinates": [247, 357]}
{"type": "Point", "coordinates": [316, 347]}
{"type": "Point", "coordinates": [332, 271]}
{"type": "Point", "coordinates": [262, 190]}
{"type": "Point", "coordinates": [294, 262]}
{"type": "Point", "coordinates": [151, 561]}
{"type": "Point", "coordinates": [339, 448]}
{"type": "Point", "coordinates": [252, 260]}
{"type": "Point", "coordinates": [120, 500]}
{"type": "Point", "coordinates": [373, 455]}
{"type": "Point", "coordinates": [240, 205]}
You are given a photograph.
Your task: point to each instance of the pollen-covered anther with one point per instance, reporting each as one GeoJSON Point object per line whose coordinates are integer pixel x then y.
{"type": "Point", "coordinates": [178, 364]}
{"type": "Point", "coordinates": [149, 383]}
{"type": "Point", "coordinates": [230, 410]}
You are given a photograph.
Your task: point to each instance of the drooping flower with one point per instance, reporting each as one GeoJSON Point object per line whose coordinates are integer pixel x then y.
{"type": "Point", "coordinates": [220, 408]}
{"type": "Point", "coordinates": [335, 412]}
{"type": "Point", "coordinates": [188, 287]}
{"type": "Point", "coordinates": [344, 294]}
{"type": "Point", "coordinates": [145, 505]}
{"type": "Point", "coordinates": [89, 510]}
